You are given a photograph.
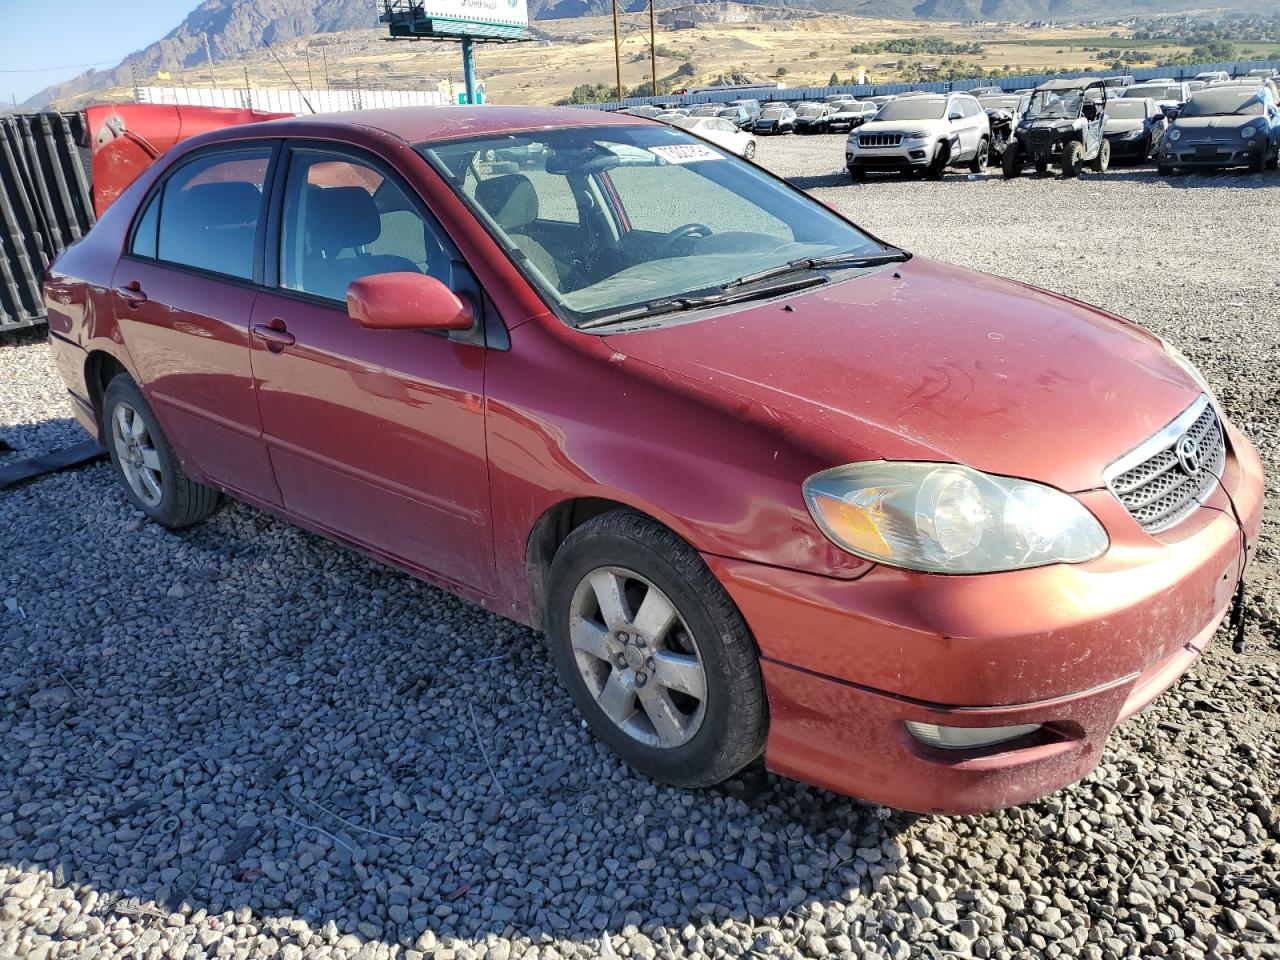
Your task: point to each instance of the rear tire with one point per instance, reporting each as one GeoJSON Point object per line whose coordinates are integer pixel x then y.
{"type": "Point", "coordinates": [636, 661]}
{"type": "Point", "coordinates": [749, 151]}
{"type": "Point", "coordinates": [1071, 151]}
{"type": "Point", "coordinates": [145, 462]}
{"type": "Point", "coordinates": [1102, 161]}
{"type": "Point", "coordinates": [979, 162]}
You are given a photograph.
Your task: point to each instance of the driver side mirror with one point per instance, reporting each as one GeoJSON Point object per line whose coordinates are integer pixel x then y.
{"type": "Point", "coordinates": [1090, 111]}
{"type": "Point", "coordinates": [955, 115]}
{"type": "Point", "coordinates": [406, 301]}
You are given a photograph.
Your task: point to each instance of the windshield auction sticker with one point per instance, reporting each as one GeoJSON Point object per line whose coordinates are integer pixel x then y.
{"type": "Point", "coordinates": [686, 153]}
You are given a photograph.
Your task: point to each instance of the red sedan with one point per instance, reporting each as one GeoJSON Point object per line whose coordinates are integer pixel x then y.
{"type": "Point", "coordinates": [766, 483]}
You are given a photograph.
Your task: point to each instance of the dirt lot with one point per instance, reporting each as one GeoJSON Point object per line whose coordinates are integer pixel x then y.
{"type": "Point", "coordinates": [244, 741]}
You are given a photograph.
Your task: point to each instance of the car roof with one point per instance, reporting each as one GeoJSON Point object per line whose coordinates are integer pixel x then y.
{"type": "Point", "coordinates": [1063, 84]}
{"type": "Point", "coordinates": [417, 124]}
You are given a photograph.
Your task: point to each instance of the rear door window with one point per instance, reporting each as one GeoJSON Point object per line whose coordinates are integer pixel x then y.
{"type": "Point", "coordinates": [210, 211]}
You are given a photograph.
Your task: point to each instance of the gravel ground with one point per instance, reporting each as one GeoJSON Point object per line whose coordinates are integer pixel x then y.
{"type": "Point", "coordinates": [244, 741]}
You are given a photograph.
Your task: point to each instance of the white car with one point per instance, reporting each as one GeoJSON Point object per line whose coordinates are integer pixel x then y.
{"type": "Point", "coordinates": [924, 134]}
{"type": "Point", "coordinates": [1213, 76]}
{"type": "Point", "coordinates": [721, 132]}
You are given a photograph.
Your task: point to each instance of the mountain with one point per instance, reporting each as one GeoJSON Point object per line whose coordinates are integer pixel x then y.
{"type": "Point", "coordinates": [236, 28]}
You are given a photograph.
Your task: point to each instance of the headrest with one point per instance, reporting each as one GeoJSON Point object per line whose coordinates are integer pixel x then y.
{"type": "Point", "coordinates": [340, 217]}
{"type": "Point", "coordinates": [224, 203]}
{"type": "Point", "coordinates": [510, 200]}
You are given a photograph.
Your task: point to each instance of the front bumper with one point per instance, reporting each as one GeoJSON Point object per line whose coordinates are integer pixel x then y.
{"type": "Point", "coordinates": [1075, 648]}
{"type": "Point", "coordinates": [1126, 147]}
{"type": "Point", "coordinates": [1181, 154]}
{"type": "Point", "coordinates": [912, 155]}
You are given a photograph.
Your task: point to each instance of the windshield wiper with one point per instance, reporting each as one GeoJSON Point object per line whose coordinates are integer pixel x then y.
{"type": "Point", "coordinates": [818, 263]}
{"type": "Point", "coordinates": [666, 305]}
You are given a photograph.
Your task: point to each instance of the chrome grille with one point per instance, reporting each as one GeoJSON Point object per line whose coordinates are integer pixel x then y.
{"type": "Point", "coordinates": [879, 139]}
{"type": "Point", "coordinates": [1153, 482]}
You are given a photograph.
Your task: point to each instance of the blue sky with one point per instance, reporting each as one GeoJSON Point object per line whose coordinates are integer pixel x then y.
{"type": "Point", "coordinates": [36, 35]}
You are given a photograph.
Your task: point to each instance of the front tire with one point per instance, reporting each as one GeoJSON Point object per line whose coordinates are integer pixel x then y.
{"type": "Point", "coordinates": [1071, 151]}
{"type": "Point", "coordinates": [1011, 163]}
{"type": "Point", "coordinates": [655, 655]}
{"type": "Point", "coordinates": [145, 462]}
{"type": "Point", "coordinates": [937, 168]}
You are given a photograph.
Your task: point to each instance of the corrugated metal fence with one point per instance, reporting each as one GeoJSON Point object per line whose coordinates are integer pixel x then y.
{"type": "Point", "coordinates": [44, 205]}
{"type": "Point", "coordinates": [1236, 68]}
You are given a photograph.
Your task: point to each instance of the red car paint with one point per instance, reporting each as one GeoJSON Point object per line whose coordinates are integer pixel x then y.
{"type": "Point", "coordinates": [447, 459]}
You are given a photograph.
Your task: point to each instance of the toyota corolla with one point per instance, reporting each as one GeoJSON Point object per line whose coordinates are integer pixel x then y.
{"type": "Point", "coordinates": [768, 485]}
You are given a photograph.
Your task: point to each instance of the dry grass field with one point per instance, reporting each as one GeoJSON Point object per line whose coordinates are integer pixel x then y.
{"type": "Point", "coordinates": [567, 53]}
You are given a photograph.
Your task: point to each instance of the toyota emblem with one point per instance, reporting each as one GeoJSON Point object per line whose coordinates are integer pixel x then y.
{"type": "Point", "coordinates": [1190, 455]}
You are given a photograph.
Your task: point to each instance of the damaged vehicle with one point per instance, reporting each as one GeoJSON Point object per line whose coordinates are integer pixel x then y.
{"type": "Point", "coordinates": [1003, 113]}
{"type": "Point", "coordinates": [1062, 125]}
{"type": "Point", "coordinates": [1134, 128]}
{"type": "Point", "coordinates": [768, 486]}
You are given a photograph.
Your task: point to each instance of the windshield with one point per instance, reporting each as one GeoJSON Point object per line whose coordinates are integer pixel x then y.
{"type": "Point", "coordinates": [602, 219]}
{"type": "Point", "coordinates": [1000, 103]}
{"type": "Point", "coordinates": [810, 110]}
{"type": "Point", "coordinates": [913, 108]}
{"type": "Point", "coordinates": [1051, 105]}
{"type": "Point", "coordinates": [1120, 110]}
{"type": "Point", "coordinates": [1154, 92]}
{"type": "Point", "coordinates": [773, 113]}
{"type": "Point", "coordinates": [705, 110]}
{"type": "Point", "coordinates": [1235, 100]}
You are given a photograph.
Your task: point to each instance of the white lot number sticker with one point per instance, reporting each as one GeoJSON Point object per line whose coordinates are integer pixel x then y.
{"type": "Point", "coordinates": [686, 153]}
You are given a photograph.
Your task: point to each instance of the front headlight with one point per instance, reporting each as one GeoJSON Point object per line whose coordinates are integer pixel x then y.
{"type": "Point", "coordinates": [1175, 134]}
{"type": "Point", "coordinates": [915, 135]}
{"type": "Point", "coordinates": [946, 518]}
{"type": "Point", "coordinates": [1247, 132]}
{"type": "Point", "coordinates": [1194, 373]}
{"type": "Point", "coordinates": [853, 140]}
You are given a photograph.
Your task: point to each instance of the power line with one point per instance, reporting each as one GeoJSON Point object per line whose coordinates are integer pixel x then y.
{"type": "Point", "coordinates": [69, 66]}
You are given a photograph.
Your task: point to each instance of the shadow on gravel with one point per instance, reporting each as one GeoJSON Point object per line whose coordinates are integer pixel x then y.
{"type": "Point", "coordinates": [243, 717]}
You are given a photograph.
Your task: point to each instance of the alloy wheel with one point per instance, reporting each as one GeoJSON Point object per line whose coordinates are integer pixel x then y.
{"type": "Point", "coordinates": [637, 657]}
{"type": "Point", "coordinates": [136, 453]}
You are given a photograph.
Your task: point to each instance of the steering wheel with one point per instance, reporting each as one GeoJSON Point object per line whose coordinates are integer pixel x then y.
{"type": "Point", "coordinates": [689, 231]}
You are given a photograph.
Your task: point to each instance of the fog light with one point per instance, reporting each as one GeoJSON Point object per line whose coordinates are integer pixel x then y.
{"type": "Point", "coordinates": [967, 738]}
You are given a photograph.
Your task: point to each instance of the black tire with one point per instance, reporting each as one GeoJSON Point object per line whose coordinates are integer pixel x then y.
{"type": "Point", "coordinates": [1102, 161]}
{"type": "Point", "coordinates": [1042, 167]}
{"type": "Point", "coordinates": [979, 162]}
{"type": "Point", "coordinates": [1011, 162]}
{"type": "Point", "coordinates": [1259, 165]}
{"type": "Point", "coordinates": [1071, 163]}
{"type": "Point", "coordinates": [937, 168]}
{"type": "Point", "coordinates": [734, 723]}
{"type": "Point", "coordinates": [182, 501]}
{"type": "Point", "coordinates": [1164, 171]}
{"type": "Point", "coordinates": [857, 174]}
{"type": "Point", "coordinates": [1274, 162]}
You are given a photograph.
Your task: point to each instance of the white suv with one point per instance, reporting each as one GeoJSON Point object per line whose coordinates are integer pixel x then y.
{"type": "Point", "coordinates": [922, 133]}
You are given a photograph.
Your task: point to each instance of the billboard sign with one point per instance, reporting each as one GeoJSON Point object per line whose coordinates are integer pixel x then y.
{"type": "Point", "coordinates": [494, 13]}
{"type": "Point", "coordinates": [496, 19]}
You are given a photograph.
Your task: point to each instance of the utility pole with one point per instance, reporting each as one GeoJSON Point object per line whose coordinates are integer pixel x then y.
{"type": "Point", "coordinates": [617, 53]}
{"type": "Point", "coordinates": [310, 82]}
{"type": "Point", "coordinates": [653, 53]}
{"type": "Point", "coordinates": [325, 57]}
{"type": "Point", "coordinates": [208, 58]}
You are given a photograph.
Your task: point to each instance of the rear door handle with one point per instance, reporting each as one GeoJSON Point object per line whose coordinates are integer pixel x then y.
{"type": "Point", "coordinates": [274, 335]}
{"type": "Point", "coordinates": [132, 294]}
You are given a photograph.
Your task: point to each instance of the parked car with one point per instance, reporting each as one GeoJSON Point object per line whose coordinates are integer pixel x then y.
{"type": "Point", "coordinates": [850, 114]}
{"type": "Point", "coordinates": [721, 132]}
{"type": "Point", "coordinates": [1254, 83]}
{"type": "Point", "coordinates": [666, 116]}
{"type": "Point", "coordinates": [1224, 126]}
{"type": "Point", "coordinates": [644, 110]}
{"type": "Point", "coordinates": [1209, 77]}
{"type": "Point", "coordinates": [1134, 128]}
{"type": "Point", "coordinates": [1062, 125]}
{"type": "Point", "coordinates": [577, 407]}
{"type": "Point", "coordinates": [737, 115]}
{"type": "Point", "coordinates": [980, 92]}
{"type": "Point", "coordinates": [706, 110]}
{"type": "Point", "coordinates": [1004, 111]}
{"type": "Point", "coordinates": [752, 108]}
{"type": "Point", "coordinates": [1118, 84]}
{"type": "Point", "coordinates": [775, 119]}
{"type": "Point", "coordinates": [1170, 96]}
{"type": "Point", "coordinates": [881, 99]}
{"type": "Point", "coordinates": [836, 98]}
{"type": "Point", "coordinates": [922, 135]}
{"type": "Point", "coordinates": [1266, 73]}
{"type": "Point", "coordinates": [813, 118]}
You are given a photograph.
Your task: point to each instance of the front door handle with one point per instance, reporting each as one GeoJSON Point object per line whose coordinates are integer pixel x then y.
{"type": "Point", "coordinates": [274, 335]}
{"type": "Point", "coordinates": [132, 294]}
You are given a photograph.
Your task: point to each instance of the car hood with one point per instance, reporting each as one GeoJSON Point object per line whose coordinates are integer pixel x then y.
{"type": "Point", "coordinates": [1193, 125]}
{"type": "Point", "coordinates": [926, 361]}
{"type": "Point", "coordinates": [1115, 125]}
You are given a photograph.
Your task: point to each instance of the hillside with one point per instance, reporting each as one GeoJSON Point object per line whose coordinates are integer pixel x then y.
{"type": "Point", "coordinates": [240, 29]}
